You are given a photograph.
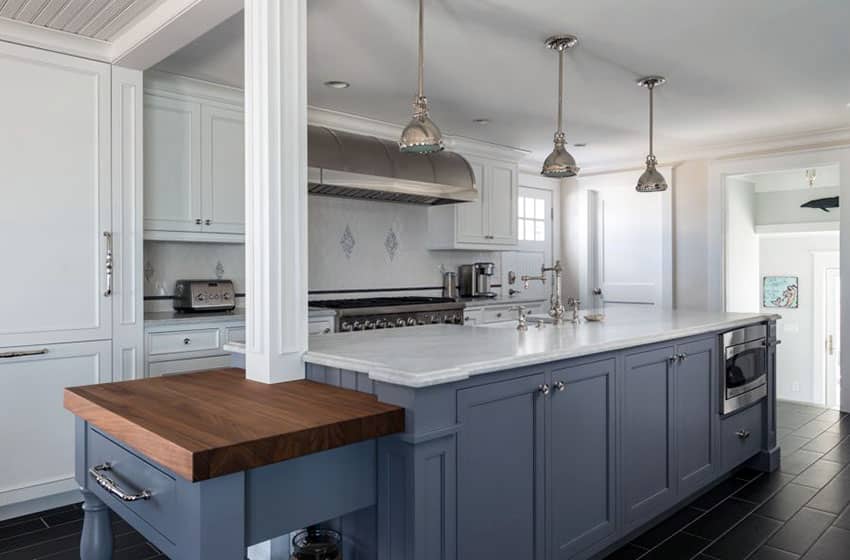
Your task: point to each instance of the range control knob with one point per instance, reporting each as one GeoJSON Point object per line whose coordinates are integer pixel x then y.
{"type": "Point", "coordinates": [412, 322]}
{"type": "Point", "coordinates": [346, 326]}
{"type": "Point", "coordinates": [368, 325]}
{"type": "Point", "coordinates": [399, 322]}
{"type": "Point", "coordinates": [380, 324]}
{"type": "Point", "coordinates": [357, 326]}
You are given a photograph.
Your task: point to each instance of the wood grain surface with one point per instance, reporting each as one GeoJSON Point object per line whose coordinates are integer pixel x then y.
{"type": "Point", "coordinates": [212, 423]}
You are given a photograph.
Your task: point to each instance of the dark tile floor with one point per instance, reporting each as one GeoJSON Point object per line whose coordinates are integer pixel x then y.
{"type": "Point", "coordinates": [800, 512]}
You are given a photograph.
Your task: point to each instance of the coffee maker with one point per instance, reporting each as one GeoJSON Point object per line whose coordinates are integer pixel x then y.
{"type": "Point", "coordinates": [475, 279]}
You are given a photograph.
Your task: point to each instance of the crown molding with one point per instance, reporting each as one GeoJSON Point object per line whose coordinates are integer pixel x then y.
{"type": "Point", "coordinates": [30, 35]}
{"type": "Point", "coordinates": [356, 124]}
{"type": "Point", "coordinates": [157, 81]}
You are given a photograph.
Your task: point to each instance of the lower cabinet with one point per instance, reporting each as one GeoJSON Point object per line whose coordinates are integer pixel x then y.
{"type": "Point", "coordinates": [500, 460]}
{"type": "Point", "coordinates": [580, 457]}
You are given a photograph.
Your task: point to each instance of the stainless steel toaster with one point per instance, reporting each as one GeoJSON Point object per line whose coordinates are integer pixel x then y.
{"type": "Point", "coordinates": [204, 295]}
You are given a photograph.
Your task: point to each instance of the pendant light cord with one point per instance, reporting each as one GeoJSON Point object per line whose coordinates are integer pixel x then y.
{"type": "Point", "coordinates": [651, 117]}
{"type": "Point", "coordinates": [560, 90]}
{"type": "Point", "coordinates": [421, 48]}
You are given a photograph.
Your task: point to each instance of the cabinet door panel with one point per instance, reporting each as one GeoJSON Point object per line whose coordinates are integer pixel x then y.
{"type": "Point", "coordinates": [39, 432]}
{"type": "Point", "coordinates": [647, 437]}
{"type": "Point", "coordinates": [696, 415]}
{"type": "Point", "coordinates": [501, 206]}
{"type": "Point", "coordinates": [500, 470]}
{"type": "Point", "coordinates": [55, 161]}
{"type": "Point", "coordinates": [223, 177]}
{"type": "Point", "coordinates": [470, 216]}
{"type": "Point", "coordinates": [581, 457]}
{"type": "Point", "coordinates": [172, 144]}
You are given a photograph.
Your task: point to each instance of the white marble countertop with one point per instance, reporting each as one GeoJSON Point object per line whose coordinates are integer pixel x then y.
{"type": "Point", "coordinates": [472, 303]}
{"type": "Point", "coordinates": [436, 354]}
{"type": "Point", "coordinates": [163, 318]}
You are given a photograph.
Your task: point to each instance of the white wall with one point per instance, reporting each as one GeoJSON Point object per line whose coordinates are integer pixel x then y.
{"type": "Point", "coordinates": [791, 255]}
{"type": "Point", "coordinates": [690, 243]}
{"type": "Point", "coordinates": [783, 207]}
{"type": "Point", "coordinates": [742, 248]}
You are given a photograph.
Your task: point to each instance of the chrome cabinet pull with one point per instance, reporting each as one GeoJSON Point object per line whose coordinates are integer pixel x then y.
{"type": "Point", "coordinates": [23, 353]}
{"type": "Point", "coordinates": [544, 389]}
{"type": "Point", "coordinates": [112, 487]}
{"type": "Point", "coordinates": [560, 386]}
{"type": "Point", "coordinates": [743, 434]}
{"type": "Point", "coordinates": [198, 221]}
{"type": "Point", "coordinates": [108, 236]}
{"type": "Point", "coordinates": [682, 357]}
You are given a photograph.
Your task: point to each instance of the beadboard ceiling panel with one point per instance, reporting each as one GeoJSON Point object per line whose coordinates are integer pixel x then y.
{"type": "Point", "coordinates": [96, 19]}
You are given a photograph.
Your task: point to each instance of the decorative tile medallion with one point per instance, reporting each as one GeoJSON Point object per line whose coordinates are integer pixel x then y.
{"type": "Point", "coordinates": [347, 242]}
{"type": "Point", "coordinates": [391, 243]}
{"type": "Point", "coordinates": [219, 270]}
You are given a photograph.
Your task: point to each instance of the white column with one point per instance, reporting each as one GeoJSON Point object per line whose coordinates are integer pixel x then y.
{"type": "Point", "coordinates": [276, 188]}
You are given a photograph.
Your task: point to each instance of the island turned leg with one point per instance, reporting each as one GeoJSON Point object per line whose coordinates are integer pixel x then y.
{"type": "Point", "coordinates": [96, 542]}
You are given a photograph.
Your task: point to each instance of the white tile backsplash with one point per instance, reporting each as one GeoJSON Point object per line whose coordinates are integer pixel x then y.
{"type": "Point", "coordinates": [169, 261]}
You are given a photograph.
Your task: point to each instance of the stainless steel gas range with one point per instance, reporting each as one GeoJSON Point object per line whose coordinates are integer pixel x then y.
{"type": "Point", "coordinates": [392, 312]}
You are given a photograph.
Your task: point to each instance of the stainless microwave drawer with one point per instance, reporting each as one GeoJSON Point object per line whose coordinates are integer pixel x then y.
{"type": "Point", "coordinates": [741, 435]}
{"type": "Point", "coordinates": [132, 475]}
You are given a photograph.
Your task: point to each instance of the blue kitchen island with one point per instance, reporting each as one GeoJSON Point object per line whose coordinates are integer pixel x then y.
{"type": "Point", "coordinates": [559, 442]}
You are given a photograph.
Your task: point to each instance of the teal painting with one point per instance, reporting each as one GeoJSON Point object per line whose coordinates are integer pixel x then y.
{"type": "Point", "coordinates": [781, 291]}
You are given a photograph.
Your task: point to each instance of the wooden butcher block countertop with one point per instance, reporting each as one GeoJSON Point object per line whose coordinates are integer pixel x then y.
{"type": "Point", "coordinates": [212, 423]}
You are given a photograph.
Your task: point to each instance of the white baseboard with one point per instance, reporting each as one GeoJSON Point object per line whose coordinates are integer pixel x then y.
{"type": "Point", "coordinates": [11, 511]}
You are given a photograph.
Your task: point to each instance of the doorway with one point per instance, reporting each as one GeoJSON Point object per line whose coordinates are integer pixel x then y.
{"type": "Point", "coordinates": [827, 327]}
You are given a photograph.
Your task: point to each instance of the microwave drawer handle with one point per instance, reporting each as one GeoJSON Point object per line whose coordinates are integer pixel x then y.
{"type": "Point", "coordinates": [113, 488]}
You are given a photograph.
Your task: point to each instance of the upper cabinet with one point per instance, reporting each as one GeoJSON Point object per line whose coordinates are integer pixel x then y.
{"type": "Point", "coordinates": [194, 163]}
{"type": "Point", "coordinates": [489, 223]}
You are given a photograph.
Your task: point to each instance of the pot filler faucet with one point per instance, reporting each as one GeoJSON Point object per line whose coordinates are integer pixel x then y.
{"type": "Point", "coordinates": [556, 305]}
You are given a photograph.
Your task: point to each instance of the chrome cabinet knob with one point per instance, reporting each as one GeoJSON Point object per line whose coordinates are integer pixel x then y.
{"type": "Point", "coordinates": [327, 330]}
{"type": "Point", "coordinates": [560, 386]}
{"type": "Point", "coordinates": [682, 357]}
{"type": "Point", "coordinates": [187, 340]}
{"type": "Point", "coordinates": [207, 222]}
{"type": "Point", "coordinates": [198, 221]}
{"type": "Point", "coordinates": [544, 389]}
{"type": "Point", "coordinates": [742, 434]}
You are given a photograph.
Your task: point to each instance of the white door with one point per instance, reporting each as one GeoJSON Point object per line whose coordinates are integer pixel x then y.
{"type": "Point", "coordinates": [833, 338]}
{"type": "Point", "coordinates": [37, 438]}
{"type": "Point", "coordinates": [471, 225]}
{"type": "Point", "coordinates": [172, 168]}
{"type": "Point", "coordinates": [55, 162]}
{"type": "Point", "coordinates": [630, 241]}
{"type": "Point", "coordinates": [500, 199]}
{"type": "Point", "coordinates": [534, 222]}
{"type": "Point", "coordinates": [223, 175]}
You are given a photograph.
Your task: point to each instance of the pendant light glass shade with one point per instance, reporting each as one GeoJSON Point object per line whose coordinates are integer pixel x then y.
{"type": "Point", "coordinates": [651, 180]}
{"type": "Point", "coordinates": [421, 135]}
{"type": "Point", "coordinates": [560, 163]}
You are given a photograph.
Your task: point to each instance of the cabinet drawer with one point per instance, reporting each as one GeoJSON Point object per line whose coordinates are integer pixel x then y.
{"type": "Point", "coordinates": [184, 341]}
{"type": "Point", "coordinates": [171, 367]}
{"type": "Point", "coordinates": [133, 474]}
{"type": "Point", "coordinates": [498, 313]}
{"type": "Point", "coordinates": [741, 435]}
{"type": "Point", "coordinates": [321, 326]}
{"type": "Point", "coordinates": [234, 334]}
{"type": "Point", "coordinates": [472, 316]}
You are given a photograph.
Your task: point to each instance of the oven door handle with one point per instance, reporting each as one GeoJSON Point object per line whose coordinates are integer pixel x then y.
{"type": "Point", "coordinates": [732, 351]}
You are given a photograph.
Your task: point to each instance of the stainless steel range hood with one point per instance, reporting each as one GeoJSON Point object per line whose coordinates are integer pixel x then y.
{"type": "Point", "coordinates": [356, 166]}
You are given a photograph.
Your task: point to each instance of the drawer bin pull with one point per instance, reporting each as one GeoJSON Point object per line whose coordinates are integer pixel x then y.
{"type": "Point", "coordinates": [743, 434]}
{"type": "Point", "coordinates": [23, 353]}
{"type": "Point", "coordinates": [112, 487]}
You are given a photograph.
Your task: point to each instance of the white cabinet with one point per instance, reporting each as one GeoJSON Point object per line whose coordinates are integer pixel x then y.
{"type": "Point", "coordinates": [194, 168]}
{"type": "Point", "coordinates": [489, 223]}
{"type": "Point", "coordinates": [55, 162]}
{"type": "Point", "coordinates": [38, 433]}
{"type": "Point", "coordinates": [173, 349]}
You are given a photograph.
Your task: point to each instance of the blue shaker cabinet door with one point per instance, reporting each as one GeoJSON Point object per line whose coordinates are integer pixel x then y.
{"type": "Point", "coordinates": [697, 418]}
{"type": "Point", "coordinates": [647, 446]}
{"type": "Point", "coordinates": [500, 470]}
{"type": "Point", "coordinates": [581, 451]}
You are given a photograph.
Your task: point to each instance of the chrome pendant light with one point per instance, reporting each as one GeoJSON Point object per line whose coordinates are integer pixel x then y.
{"type": "Point", "coordinates": [651, 180]}
{"type": "Point", "coordinates": [421, 135]}
{"type": "Point", "coordinates": [560, 163]}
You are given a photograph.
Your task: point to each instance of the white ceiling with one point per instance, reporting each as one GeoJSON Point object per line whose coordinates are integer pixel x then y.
{"type": "Point", "coordinates": [737, 71]}
{"type": "Point", "coordinates": [826, 176]}
{"type": "Point", "coordinates": [96, 19]}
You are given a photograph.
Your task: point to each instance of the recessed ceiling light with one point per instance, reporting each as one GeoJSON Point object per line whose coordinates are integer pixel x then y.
{"type": "Point", "coordinates": [580, 145]}
{"type": "Point", "coordinates": [337, 84]}
{"type": "Point", "coordinates": [481, 121]}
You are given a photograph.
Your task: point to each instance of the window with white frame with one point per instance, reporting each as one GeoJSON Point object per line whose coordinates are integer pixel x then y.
{"type": "Point", "coordinates": [531, 213]}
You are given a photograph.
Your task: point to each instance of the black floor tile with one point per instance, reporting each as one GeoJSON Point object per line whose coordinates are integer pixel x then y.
{"type": "Point", "coordinates": [744, 538]}
{"type": "Point", "coordinates": [841, 427]}
{"type": "Point", "coordinates": [840, 453]}
{"type": "Point", "coordinates": [768, 553]}
{"type": "Point", "coordinates": [819, 474]}
{"type": "Point", "coordinates": [31, 516]}
{"type": "Point", "coordinates": [61, 517]}
{"type": "Point", "coordinates": [800, 460]}
{"type": "Point", "coordinates": [812, 429]}
{"type": "Point", "coordinates": [720, 519]}
{"type": "Point", "coordinates": [681, 546]}
{"type": "Point", "coordinates": [790, 444]}
{"type": "Point", "coordinates": [719, 493]}
{"type": "Point", "coordinates": [802, 531]}
{"type": "Point", "coordinates": [824, 442]}
{"type": "Point", "coordinates": [747, 473]}
{"type": "Point", "coordinates": [40, 536]}
{"type": "Point", "coordinates": [762, 489]}
{"type": "Point", "coordinates": [628, 552]}
{"type": "Point", "coordinates": [787, 502]}
{"type": "Point", "coordinates": [665, 529]}
{"type": "Point", "coordinates": [834, 497]}
{"type": "Point", "coordinates": [843, 520]}
{"type": "Point", "coordinates": [834, 544]}
{"type": "Point", "coordinates": [26, 526]}
{"type": "Point", "coordinates": [831, 416]}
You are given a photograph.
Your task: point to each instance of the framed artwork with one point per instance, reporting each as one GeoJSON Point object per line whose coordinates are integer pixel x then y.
{"type": "Point", "coordinates": [780, 291]}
